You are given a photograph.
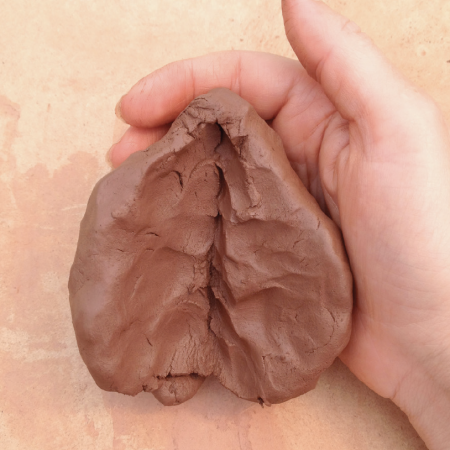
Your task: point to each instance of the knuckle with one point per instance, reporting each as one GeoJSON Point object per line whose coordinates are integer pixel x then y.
{"type": "Point", "coordinates": [350, 27]}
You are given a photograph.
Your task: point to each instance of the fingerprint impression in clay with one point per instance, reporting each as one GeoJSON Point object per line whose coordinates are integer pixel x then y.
{"type": "Point", "coordinates": [204, 255]}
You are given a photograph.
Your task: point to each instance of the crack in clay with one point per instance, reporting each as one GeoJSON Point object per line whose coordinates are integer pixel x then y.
{"type": "Point", "coordinates": [235, 270]}
{"type": "Point", "coordinates": [180, 179]}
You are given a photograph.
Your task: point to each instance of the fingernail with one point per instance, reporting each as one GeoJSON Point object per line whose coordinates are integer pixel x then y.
{"type": "Point", "coordinates": [118, 110]}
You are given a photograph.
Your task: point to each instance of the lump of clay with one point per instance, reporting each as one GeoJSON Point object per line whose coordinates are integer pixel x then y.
{"type": "Point", "coordinates": [204, 255]}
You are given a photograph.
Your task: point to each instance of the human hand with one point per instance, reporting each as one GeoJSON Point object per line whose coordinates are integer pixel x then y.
{"type": "Point", "coordinates": [375, 153]}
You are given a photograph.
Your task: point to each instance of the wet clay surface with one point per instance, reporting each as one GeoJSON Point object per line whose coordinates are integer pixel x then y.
{"type": "Point", "coordinates": [205, 255]}
{"type": "Point", "coordinates": [64, 66]}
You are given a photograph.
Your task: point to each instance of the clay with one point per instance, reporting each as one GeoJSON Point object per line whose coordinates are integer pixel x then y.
{"type": "Point", "coordinates": [205, 255]}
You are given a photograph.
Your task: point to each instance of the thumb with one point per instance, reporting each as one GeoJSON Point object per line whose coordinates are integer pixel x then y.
{"type": "Point", "coordinates": [354, 74]}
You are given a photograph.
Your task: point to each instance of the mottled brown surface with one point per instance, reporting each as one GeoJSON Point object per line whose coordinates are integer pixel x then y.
{"type": "Point", "coordinates": [63, 68]}
{"type": "Point", "coordinates": [205, 255]}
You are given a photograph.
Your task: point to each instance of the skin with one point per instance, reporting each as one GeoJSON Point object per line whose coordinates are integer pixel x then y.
{"type": "Point", "coordinates": [375, 152]}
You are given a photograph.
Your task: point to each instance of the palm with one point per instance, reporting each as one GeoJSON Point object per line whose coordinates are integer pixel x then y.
{"type": "Point", "coordinates": [315, 149]}
{"type": "Point", "coordinates": [376, 180]}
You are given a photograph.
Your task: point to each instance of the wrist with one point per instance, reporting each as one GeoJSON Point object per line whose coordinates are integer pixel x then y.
{"type": "Point", "coordinates": [425, 398]}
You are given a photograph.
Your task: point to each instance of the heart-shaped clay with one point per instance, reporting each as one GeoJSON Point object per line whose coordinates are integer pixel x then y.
{"type": "Point", "coordinates": [205, 255]}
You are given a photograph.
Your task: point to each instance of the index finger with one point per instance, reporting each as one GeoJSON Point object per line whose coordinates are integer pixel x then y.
{"type": "Point", "coordinates": [263, 79]}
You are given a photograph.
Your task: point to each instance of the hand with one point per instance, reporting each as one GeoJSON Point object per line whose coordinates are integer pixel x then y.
{"type": "Point", "coordinates": [375, 153]}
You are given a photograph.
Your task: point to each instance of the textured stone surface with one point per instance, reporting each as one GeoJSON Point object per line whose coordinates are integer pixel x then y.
{"type": "Point", "coordinates": [63, 66]}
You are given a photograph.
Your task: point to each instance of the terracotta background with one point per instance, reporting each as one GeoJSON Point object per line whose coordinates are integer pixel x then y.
{"type": "Point", "coordinates": [63, 67]}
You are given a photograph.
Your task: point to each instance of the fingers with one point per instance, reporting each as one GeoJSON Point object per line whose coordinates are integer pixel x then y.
{"type": "Point", "coordinates": [134, 140]}
{"type": "Point", "coordinates": [262, 79]}
{"type": "Point", "coordinates": [279, 88]}
{"type": "Point", "coordinates": [354, 74]}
